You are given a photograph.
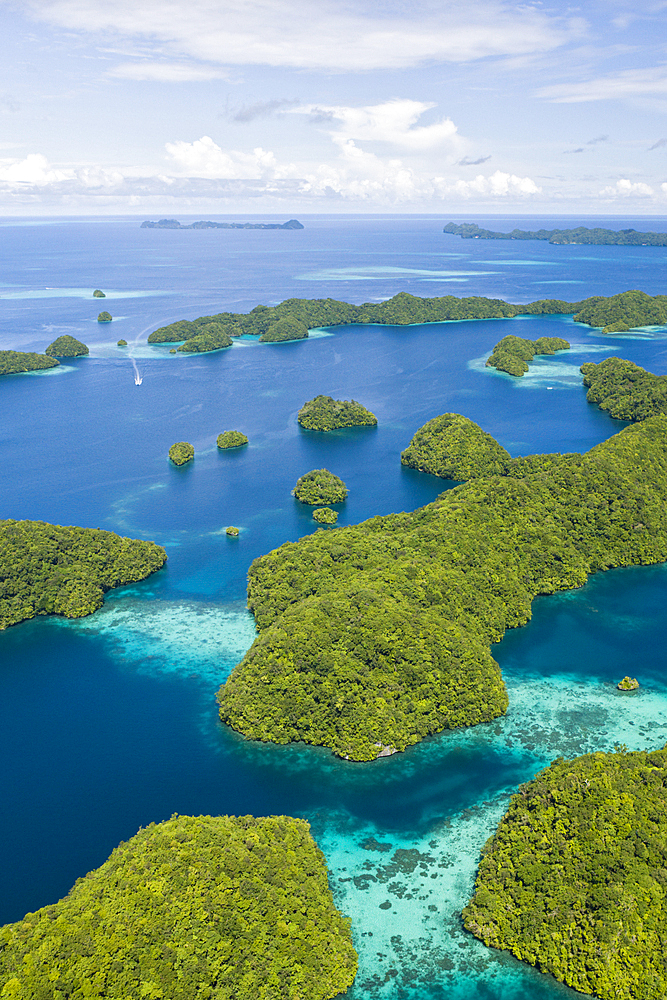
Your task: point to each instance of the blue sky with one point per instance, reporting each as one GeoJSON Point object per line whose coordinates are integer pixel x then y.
{"type": "Point", "coordinates": [283, 106]}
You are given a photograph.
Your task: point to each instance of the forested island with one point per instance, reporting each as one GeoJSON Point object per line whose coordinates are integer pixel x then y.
{"type": "Point", "coordinates": [231, 439]}
{"type": "Point", "coordinates": [174, 224]}
{"type": "Point", "coordinates": [320, 486]}
{"type": "Point", "coordinates": [66, 347]}
{"type": "Point", "coordinates": [573, 881]}
{"type": "Point", "coordinates": [580, 235]}
{"type": "Point", "coordinates": [293, 318]}
{"type": "Point", "coordinates": [181, 453]}
{"type": "Point", "coordinates": [453, 447]}
{"type": "Point", "coordinates": [18, 362]}
{"type": "Point", "coordinates": [514, 354]}
{"type": "Point", "coordinates": [323, 413]}
{"type": "Point", "coordinates": [236, 908]}
{"type": "Point", "coordinates": [624, 390]}
{"type": "Point", "coordinates": [376, 635]}
{"type": "Point", "coordinates": [51, 569]}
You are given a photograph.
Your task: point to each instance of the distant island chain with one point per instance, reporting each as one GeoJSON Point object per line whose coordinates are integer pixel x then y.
{"type": "Point", "coordinates": [579, 236]}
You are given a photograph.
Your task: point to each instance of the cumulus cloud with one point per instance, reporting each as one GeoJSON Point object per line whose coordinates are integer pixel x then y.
{"type": "Point", "coordinates": [628, 83]}
{"type": "Point", "coordinates": [625, 188]}
{"type": "Point", "coordinates": [35, 172]}
{"type": "Point", "coordinates": [204, 158]}
{"type": "Point", "coordinates": [498, 185]}
{"type": "Point", "coordinates": [392, 122]}
{"type": "Point", "coordinates": [359, 35]}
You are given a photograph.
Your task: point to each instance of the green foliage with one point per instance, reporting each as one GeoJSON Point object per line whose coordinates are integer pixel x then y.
{"type": "Point", "coordinates": [232, 531]}
{"type": "Point", "coordinates": [211, 337]}
{"type": "Point", "coordinates": [99, 294]}
{"type": "Point", "coordinates": [379, 633]}
{"type": "Point", "coordinates": [195, 908]}
{"type": "Point", "coordinates": [287, 328]}
{"type": "Point", "coordinates": [16, 362]}
{"type": "Point", "coordinates": [574, 879]}
{"type": "Point", "coordinates": [181, 453]}
{"type": "Point", "coordinates": [231, 439]}
{"type": "Point", "coordinates": [326, 414]}
{"type": "Point", "coordinates": [50, 569]}
{"type": "Point", "coordinates": [325, 515]}
{"type": "Point", "coordinates": [66, 347]}
{"type": "Point", "coordinates": [624, 390]}
{"type": "Point", "coordinates": [104, 317]}
{"type": "Point", "coordinates": [121, 343]}
{"type": "Point", "coordinates": [453, 447]}
{"type": "Point", "coordinates": [320, 486]}
{"type": "Point", "coordinates": [513, 354]}
{"type": "Point", "coordinates": [624, 311]}
{"type": "Point", "coordinates": [628, 684]}
{"type": "Point", "coordinates": [180, 330]}
{"type": "Point", "coordinates": [580, 235]}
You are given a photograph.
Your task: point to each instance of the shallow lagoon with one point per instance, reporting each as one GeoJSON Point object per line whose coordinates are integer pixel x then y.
{"type": "Point", "coordinates": [108, 723]}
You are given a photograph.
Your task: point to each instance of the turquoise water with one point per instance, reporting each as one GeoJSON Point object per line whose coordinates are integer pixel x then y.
{"type": "Point", "coordinates": [108, 723]}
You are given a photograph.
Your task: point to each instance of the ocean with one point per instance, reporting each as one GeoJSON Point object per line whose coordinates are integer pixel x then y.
{"type": "Point", "coordinates": [109, 723]}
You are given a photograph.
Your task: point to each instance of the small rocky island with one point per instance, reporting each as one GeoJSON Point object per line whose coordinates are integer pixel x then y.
{"type": "Point", "coordinates": [325, 515]}
{"type": "Point", "coordinates": [628, 684]}
{"type": "Point", "coordinates": [323, 413]}
{"type": "Point", "coordinates": [121, 343]}
{"type": "Point", "coordinates": [573, 880]}
{"type": "Point", "coordinates": [231, 439]}
{"type": "Point", "coordinates": [453, 447]}
{"type": "Point", "coordinates": [18, 362]}
{"type": "Point", "coordinates": [231, 907]}
{"type": "Point", "coordinates": [99, 294]}
{"type": "Point", "coordinates": [174, 224]}
{"type": "Point", "coordinates": [320, 486]}
{"type": "Point", "coordinates": [67, 347]}
{"type": "Point", "coordinates": [104, 317]}
{"type": "Point", "coordinates": [513, 354]}
{"type": "Point", "coordinates": [181, 453]}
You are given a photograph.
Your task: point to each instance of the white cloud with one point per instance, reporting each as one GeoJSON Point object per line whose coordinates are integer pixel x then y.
{"type": "Point", "coordinates": [392, 122]}
{"type": "Point", "coordinates": [204, 158]}
{"type": "Point", "coordinates": [33, 170]}
{"type": "Point", "coordinates": [627, 189]}
{"type": "Point", "coordinates": [168, 72]}
{"type": "Point", "coordinates": [629, 83]}
{"type": "Point", "coordinates": [325, 34]}
{"type": "Point", "coordinates": [498, 185]}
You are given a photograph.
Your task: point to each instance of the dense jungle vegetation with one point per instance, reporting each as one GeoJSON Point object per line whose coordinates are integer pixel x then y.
{"type": "Point", "coordinates": [320, 486]}
{"type": "Point", "coordinates": [453, 447]}
{"type": "Point", "coordinates": [378, 634]}
{"type": "Point", "coordinates": [326, 414]}
{"type": "Point", "coordinates": [231, 439]}
{"type": "Point", "coordinates": [325, 515]}
{"type": "Point", "coordinates": [195, 908]}
{"type": "Point", "coordinates": [209, 337]}
{"type": "Point", "coordinates": [623, 312]}
{"type": "Point", "coordinates": [16, 362]}
{"type": "Point", "coordinates": [181, 453]}
{"type": "Point", "coordinates": [580, 235]}
{"type": "Point", "coordinates": [624, 390]}
{"type": "Point", "coordinates": [50, 569]}
{"type": "Point", "coordinates": [67, 347]}
{"type": "Point", "coordinates": [574, 880]}
{"type": "Point", "coordinates": [514, 354]}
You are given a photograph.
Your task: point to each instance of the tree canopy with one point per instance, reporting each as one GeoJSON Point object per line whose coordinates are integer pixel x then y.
{"type": "Point", "coordinates": [67, 347]}
{"type": "Point", "coordinates": [181, 453]}
{"type": "Point", "coordinates": [323, 413]}
{"type": "Point", "coordinates": [453, 447]}
{"type": "Point", "coordinates": [231, 439]}
{"type": "Point", "coordinates": [513, 354]}
{"type": "Point", "coordinates": [195, 908]}
{"type": "Point", "coordinates": [320, 486]}
{"type": "Point", "coordinates": [17, 362]}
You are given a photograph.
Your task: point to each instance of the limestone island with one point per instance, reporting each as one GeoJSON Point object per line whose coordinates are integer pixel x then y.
{"type": "Point", "coordinates": [326, 414]}
{"type": "Point", "coordinates": [174, 224]}
{"type": "Point", "coordinates": [325, 515]}
{"type": "Point", "coordinates": [18, 362]}
{"type": "Point", "coordinates": [231, 439]}
{"type": "Point", "coordinates": [50, 569]}
{"type": "Point", "coordinates": [624, 390]}
{"type": "Point", "coordinates": [320, 486]}
{"type": "Point", "coordinates": [231, 907]}
{"type": "Point", "coordinates": [628, 684]}
{"type": "Point", "coordinates": [514, 354]}
{"type": "Point", "coordinates": [634, 308]}
{"type": "Point", "coordinates": [181, 453]}
{"type": "Point", "coordinates": [67, 347]}
{"type": "Point", "coordinates": [99, 294]}
{"type": "Point", "coordinates": [453, 447]}
{"type": "Point", "coordinates": [573, 880]}
{"type": "Point", "coordinates": [378, 634]}
{"type": "Point", "coordinates": [121, 343]}
{"type": "Point", "coordinates": [579, 236]}
{"type": "Point", "coordinates": [232, 531]}
{"type": "Point", "coordinates": [104, 317]}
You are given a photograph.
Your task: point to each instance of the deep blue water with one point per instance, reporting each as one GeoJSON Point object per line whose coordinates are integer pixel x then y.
{"type": "Point", "coordinates": [109, 723]}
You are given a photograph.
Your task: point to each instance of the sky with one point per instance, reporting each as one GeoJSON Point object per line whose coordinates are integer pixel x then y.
{"type": "Point", "coordinates": [160, 107]}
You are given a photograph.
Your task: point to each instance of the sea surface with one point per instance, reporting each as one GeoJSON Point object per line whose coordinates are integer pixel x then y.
{"type": "Point", "coordinates": [109, 723]}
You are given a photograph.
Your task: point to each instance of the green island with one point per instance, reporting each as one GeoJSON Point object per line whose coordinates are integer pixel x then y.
{"type": "Point", "coordinates": [66, 347]}
{"type": "Point", "coordinates": [51, 569]}
{"type": "Point", "coordinates": [181, 453]}
{"type": "Point", "coordinates": [580, 235]}
{"type": "Point", "coordinates": [236, 908]}
{"type": "Point", "coordinates": [175, 224]}
{"type": "Point", "coordinates": [326, 414]}
{"type": "Point", "coordinates": [104, 317]}
{"type": "Point", "coordinates": [628, 684]}
{"type": "Point", "coordinates": [377, 635]}
{"type": "Point", "coordinates": [99, 294]}
{"type": "Point", "coordinates": [121, 343]}
{"type": "Point", "coordinates": [573, 881]}
{"type": "Point", "coordinates": [325, 515]}
{"type": "Point", "coordinates": [17, 362]}
{"type": "Point", "coordinates": [209, 337]}
{"type": "Point", "coordinates": [624, 390]}
{"type": "Point", "coordinates": [453, 447]}
{"type": "Point", "coordinates": [623, 312]}
{"type": "Point", "coordinates": [232, 531]}
{"type": "Point", "coordinates": [320, 486]}
{"type": "Point", "coordinates": [514, 354]}
{"type": "Point", "coordinates": [231, 439]}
